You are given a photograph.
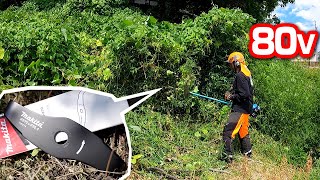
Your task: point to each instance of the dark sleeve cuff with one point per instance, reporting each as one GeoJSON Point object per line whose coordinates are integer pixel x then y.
{"type": "Point", "coordinates": [232, 96]}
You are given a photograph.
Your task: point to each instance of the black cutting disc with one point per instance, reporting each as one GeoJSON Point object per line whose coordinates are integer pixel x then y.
{"type": "Point", "coordinates": [81, 144]}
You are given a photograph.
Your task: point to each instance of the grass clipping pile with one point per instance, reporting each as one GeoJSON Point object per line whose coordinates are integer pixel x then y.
{"type": "Point", "coordinates": [40, 165]}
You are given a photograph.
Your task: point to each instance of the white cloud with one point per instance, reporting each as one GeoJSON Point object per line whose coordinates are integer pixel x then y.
{"type": "Point", "coordinates": [304, 13]}
{"type": "Point", "coordinates": [282, 12]}
{"type": "Point", "coordinates": [307, 3]}
{"type": "Point", "coordinates": [287, 7]}
{"type": "Point", "coordinates": [279, 15]}
{"type": "Point", "coordinates": [307, 9]}
{"type": "Point", "coordinates": [304, 26]}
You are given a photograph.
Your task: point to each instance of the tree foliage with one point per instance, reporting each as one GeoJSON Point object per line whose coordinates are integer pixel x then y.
{"type": "Point", "coordinates": [175, 10]}
{"type": "Point", "coordinates": [172, 10]}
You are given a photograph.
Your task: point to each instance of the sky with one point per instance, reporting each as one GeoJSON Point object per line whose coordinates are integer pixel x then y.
{"type": "Point", "coordinates": [304, 13]}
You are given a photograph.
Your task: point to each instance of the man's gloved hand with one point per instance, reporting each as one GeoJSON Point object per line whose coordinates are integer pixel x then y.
{"type": "Point", "coordinates": [231, 88]}
{"type": "Point", "coordinates": [227, 95]}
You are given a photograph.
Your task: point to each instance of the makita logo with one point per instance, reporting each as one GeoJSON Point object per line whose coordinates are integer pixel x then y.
{"type": "Point", "coordinates": [31, 119]}
{"type": "Point", "coordinates": [6, 137]}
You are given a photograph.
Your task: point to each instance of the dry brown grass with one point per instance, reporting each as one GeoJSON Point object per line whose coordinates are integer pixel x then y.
{"type": "Point", "coordinates": [134, 175]}
{"type": "Point", "coordinates": [259, 170]}
{"type": "Point", "coordinates": [249, 169]}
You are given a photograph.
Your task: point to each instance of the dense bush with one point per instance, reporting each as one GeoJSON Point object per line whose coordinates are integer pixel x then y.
{"type": "Point", "coordinates": [123, 52]}
{"type": "Point", "coordinates": [289, 96]}
{"type": "Point", "coordinates": [178, 57]}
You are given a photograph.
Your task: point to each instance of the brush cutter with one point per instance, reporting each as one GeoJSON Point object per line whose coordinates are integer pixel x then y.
{"type": "Point", "coordinates": [255, 107]}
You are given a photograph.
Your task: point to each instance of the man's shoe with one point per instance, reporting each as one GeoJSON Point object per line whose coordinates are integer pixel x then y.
{"type": "Point", "coordinates": [229, 159]}
{"type": "Point", "coordinates": [248, 154]}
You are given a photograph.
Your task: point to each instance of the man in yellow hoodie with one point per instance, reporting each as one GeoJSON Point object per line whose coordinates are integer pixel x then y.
{"type": "Point", "coordinates": [241, 96]}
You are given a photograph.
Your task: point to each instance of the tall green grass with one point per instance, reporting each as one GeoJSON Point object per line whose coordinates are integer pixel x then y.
{"type": "Point", "coordinates": [289, 97]}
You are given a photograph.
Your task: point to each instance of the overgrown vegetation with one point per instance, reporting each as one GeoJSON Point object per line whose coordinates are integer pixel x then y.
{"type": "Point", "coordinates": [289, 96]}
{"type": "Point", "coordinates": [192, 151]}
{"type": "Point", "coordinates": [76, 46]}
{"type": "Point", "coordinates": [106, 46]}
